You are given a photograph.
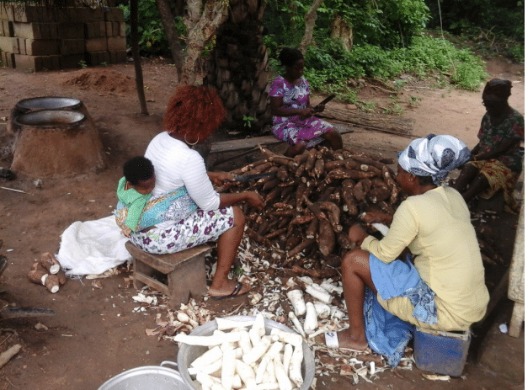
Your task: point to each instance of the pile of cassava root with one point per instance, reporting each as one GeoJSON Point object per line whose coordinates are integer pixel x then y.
{"type": "Point", "coordinates": [312, 201]}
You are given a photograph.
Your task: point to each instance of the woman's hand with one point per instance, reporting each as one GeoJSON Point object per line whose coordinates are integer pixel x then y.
{"type": "Point", "coordinates": [219, 178]}
{"type": "Point", "coordinates": [306, 112]}
{"type": "Point", "coordinates": [319, 108]}
{"type": "Point", "coordinates": [255, 200]}
{"type": "Point", "coordinates": [357, 234]}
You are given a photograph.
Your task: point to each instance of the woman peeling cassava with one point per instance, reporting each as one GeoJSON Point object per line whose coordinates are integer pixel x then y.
{"type": "Point", "coordinates": [443, 287]}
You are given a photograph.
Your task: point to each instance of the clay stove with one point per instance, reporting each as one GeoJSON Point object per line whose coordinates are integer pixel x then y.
{"type": "Point", "coordinates": [55, 137]}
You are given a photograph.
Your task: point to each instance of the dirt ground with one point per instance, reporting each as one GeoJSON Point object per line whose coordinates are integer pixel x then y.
{"type": "Point", "coordinates": [95, 334]}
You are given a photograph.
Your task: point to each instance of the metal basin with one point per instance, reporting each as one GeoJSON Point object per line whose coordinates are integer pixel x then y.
{"type": "Point", "coordinates": [147, 378]}
{"type": "Point", "coordinates": [51, 118]}
{"type": "Point", "coordinates": [48, 103]}
{"type": "Point", "coordinates": [188, 353]}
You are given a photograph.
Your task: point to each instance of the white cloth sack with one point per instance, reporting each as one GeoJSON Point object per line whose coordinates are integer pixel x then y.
{"type": "Point", "coordinates": [92, 247]}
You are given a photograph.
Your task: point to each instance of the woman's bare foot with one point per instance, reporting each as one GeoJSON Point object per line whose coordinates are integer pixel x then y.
{"type": "Point", "coordinates": [229, 288]}
{"type": "Point", "coordinates": [345, 340]}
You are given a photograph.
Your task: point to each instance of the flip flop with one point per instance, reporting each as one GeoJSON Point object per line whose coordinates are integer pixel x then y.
{"type": "Point", "coordinates": [235, 292]}
{"type": "Point", "coordinates": [331, 341]}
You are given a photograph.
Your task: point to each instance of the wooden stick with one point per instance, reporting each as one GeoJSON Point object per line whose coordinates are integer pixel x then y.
{"type": "Point", "coordinates": [15, 190]}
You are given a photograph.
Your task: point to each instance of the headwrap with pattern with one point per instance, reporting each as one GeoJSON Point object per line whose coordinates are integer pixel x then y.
{"type": "Point", "coordinates": [434, 155]}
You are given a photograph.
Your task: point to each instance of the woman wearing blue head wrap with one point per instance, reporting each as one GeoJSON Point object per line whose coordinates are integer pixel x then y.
{"type": "Point", "coordinates": [443, 287]}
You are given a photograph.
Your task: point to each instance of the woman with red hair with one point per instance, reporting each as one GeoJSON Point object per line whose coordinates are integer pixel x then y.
{"type": "Point", "coordinates": [199, 214]}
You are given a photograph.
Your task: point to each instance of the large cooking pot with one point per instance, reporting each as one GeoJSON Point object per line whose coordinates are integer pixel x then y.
{"type": "Point", "coordinates": [147, 378]}
{"type": "Point", "coordinates": [188, 353]}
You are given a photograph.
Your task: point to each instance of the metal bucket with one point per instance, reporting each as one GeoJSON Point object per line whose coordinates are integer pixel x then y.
{"type": "Point", "coordinates": [147, 378]}
{"type": "Point", "coordinates": [188, 353]}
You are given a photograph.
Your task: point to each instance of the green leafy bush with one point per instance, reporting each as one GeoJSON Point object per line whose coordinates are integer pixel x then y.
{"type": "Point", "coordinates": [152, 38]}
{"type": "Point", "coordinates": [425, 55]}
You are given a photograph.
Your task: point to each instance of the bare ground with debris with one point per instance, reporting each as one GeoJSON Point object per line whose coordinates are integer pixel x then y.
{"type": "Point", "coordinates": [96, 333]}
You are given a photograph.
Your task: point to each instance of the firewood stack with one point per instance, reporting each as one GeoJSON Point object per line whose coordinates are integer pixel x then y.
{"type": "Point", "coordinates": [312, 201]}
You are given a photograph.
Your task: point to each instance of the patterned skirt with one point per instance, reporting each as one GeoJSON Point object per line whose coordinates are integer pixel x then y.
{"type": "Point", "coordinates": [198, 228]}
{"type": "Point", "coordinates": [499, 177]}
{"type": "Point", "coordinates": [295, 130]}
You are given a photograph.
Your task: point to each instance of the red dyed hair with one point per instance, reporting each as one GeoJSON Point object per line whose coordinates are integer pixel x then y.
{"type": "Point", "coordinates": [194, 110]}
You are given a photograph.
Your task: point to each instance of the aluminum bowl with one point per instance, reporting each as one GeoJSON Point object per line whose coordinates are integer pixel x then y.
{"type": "Point", "coordinates": [147, 378]}
{"type": "Point", "coordinates": [51, 118]}
{"type": "Point", "coordinates": [188, 353]}
{"type": "Point", "coordinates": [48, 103]}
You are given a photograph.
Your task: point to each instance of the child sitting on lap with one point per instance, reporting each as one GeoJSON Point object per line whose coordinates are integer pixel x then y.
{"type": "Point", "coordinates": [135, 190]}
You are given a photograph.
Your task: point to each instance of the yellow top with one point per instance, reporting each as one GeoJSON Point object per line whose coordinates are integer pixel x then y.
{"type": "Point", "coordinates": [436, 227]}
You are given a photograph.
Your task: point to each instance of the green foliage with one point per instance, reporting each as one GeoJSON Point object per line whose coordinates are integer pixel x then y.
{"type": "Point", "coordinates": [424, 56]}
{"type": "Point", "coordinates": [516, 52]}
{"type": "Point", "coordinates": [414, 100]}
{"type": "Point", "coordinates": [82, 64]}
{"type": "Point", "coordinates": [152, 38]}
{"type": "Point", "coordinates": [493, 27]}
{"type": "Point", "coordinates": [248, 120]}
{"type": "Point", "coordinates": [388, 23]}
{"type": "Point", "coordinates": [394, 108]}
{"type": "Point", "coordinates": [369, 107]}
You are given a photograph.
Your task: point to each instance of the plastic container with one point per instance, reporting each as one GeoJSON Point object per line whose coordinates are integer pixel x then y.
{"type": "Point", "coordinates": [441, 352]}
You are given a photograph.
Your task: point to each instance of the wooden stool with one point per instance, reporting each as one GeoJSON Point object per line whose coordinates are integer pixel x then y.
{"type": "Point", "coordinates": [184, 272]}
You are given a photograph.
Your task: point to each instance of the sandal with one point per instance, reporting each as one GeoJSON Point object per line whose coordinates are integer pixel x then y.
{"type": "Point", "coordinates": [234, 293]}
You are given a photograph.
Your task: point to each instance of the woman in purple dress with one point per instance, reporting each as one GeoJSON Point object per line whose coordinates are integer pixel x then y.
{"type": "Point", "coordinates": [293, 120]}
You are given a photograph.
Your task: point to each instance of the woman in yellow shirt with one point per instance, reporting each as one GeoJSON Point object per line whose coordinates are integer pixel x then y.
{"type": "Point", "coordinates": [445, 288]}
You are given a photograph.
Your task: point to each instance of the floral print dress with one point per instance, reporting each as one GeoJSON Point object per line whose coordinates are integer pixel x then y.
{"type": "Point", "coordinates": [293, 129]}
{"type": "Point", "coordinates": [198, 228]}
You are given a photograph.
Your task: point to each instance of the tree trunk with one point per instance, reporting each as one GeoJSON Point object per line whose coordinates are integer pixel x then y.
{"type": "Point", "coordinates": [201, 27]}
{"type": "Point", "coordinates": [309, 23]}
{"type": "Point", "coordinates": [135, 54]}
{"type": "Point", "coordinates": [239, 67]}
{"type": "Point", "coordinates": [341, 29]}
{"type": "Point", "coordinates": [167, 19]}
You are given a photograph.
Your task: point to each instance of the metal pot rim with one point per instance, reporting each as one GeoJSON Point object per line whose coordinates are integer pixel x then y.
{"type": "Point", "coordinates": [48, 103]}
{"type": "Point", "coordinates": [146, 370]}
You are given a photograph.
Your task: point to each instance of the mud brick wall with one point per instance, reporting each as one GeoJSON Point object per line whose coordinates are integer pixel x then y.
{"type": "Point", "coordinates": [37, 38]}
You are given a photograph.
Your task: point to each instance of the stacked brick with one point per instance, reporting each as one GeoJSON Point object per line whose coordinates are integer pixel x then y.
{"type": "Point", "coordinates": [38, 38]}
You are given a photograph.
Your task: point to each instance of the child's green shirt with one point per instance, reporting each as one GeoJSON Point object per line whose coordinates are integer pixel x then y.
{"type": "Point", "coordinates": [134, 201]}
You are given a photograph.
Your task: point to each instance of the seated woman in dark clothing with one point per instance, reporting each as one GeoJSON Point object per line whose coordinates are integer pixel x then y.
{"type": "Point", "coordinates": [497, 160]}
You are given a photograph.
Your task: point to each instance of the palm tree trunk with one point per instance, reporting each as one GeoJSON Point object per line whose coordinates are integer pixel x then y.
{"type": "Point", "coordinates": [239, 66]}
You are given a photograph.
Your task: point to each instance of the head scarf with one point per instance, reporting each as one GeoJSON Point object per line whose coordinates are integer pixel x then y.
{"type": "Point", "coordinates": [499, 88]}
{"type": "Point", "coordinates": [435, 155]}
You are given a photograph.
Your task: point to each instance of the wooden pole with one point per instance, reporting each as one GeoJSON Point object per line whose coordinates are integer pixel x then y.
{"type": "Point", "coordinates": [135, 54]}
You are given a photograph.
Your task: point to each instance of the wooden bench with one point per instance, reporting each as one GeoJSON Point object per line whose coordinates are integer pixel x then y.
{"type": "Point", "coordinates": [179, 276]}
